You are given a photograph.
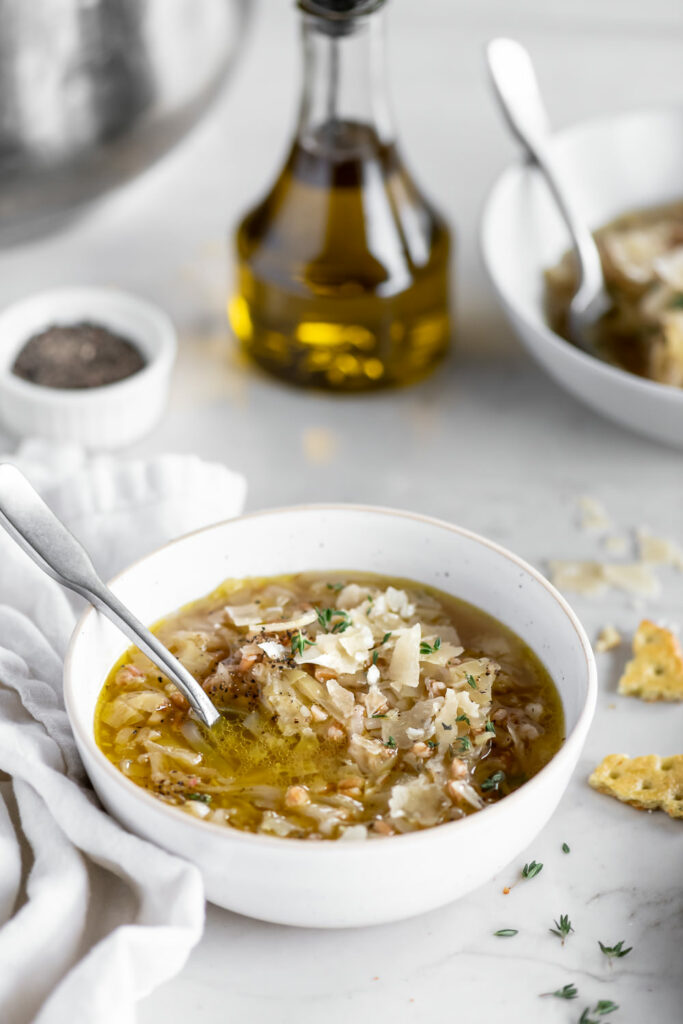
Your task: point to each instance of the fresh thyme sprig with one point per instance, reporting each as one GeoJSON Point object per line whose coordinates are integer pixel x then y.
{"type": "Point", "coordinates": [532, 869]}
{"type": "Point", "coordinates": [326, 617]}
{"type": "Point", "coordinates": [602, 1008]}
{"type": "Point", "coordinates": [300, 643]}
{"type": "Point", "coordinates": [563, 928]}
{"type": "Point", "coordinates": [569, 991]}
{"type": "Point", "coordinates": [616, 951]}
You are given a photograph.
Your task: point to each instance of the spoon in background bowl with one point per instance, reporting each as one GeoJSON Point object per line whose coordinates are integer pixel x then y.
{"type": "Point", "coordinates": [45, 539]}
{"type": "Point", "coordinates": [516, 86]}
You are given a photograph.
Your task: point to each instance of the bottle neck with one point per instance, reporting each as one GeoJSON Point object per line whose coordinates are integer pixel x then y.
{"type": "Point", "coordinates": [344, 82]}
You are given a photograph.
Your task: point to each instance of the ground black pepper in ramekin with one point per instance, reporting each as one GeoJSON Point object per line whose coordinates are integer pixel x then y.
{"type": "Point", "coordinates": [83, 355]}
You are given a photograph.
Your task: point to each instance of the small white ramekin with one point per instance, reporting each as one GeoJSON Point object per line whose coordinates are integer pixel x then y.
{"type": "Point", "coordinates": [103, 417]}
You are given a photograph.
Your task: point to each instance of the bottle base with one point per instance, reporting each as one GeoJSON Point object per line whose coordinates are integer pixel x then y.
{"type": "Point", "coordinates": [343, 357]}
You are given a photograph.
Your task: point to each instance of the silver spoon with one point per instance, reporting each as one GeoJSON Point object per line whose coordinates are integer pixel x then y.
{"type": "Point", "coordinates": [516, 87]}
{"type": "Point", "coordinates": [46, 540]}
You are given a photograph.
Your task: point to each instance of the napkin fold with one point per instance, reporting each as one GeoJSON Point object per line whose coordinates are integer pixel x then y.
{"type": "Point", "coordinates": [92, 918]}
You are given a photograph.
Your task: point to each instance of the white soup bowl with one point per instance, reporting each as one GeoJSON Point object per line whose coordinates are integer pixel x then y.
{"type": "Point", "coordinates": [340, 883]}
{"type": "Point", "coordinates": [615, 165]}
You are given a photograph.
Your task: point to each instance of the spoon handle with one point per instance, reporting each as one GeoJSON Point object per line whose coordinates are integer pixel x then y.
{"type": "Point", "coordinates": [55, 550]}
{"type": "Point", "coordinates": [516, 87]}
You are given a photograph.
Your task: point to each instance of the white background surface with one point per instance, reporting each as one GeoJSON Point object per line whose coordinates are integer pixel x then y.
{"type": "Point", "coordinates": [489, 443]}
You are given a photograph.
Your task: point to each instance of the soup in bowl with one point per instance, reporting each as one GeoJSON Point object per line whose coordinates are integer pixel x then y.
{"type": "Point", "coordinates": [380, 722]}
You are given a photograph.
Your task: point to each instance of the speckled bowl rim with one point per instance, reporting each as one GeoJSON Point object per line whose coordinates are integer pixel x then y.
{"type": "Point", "coordinates": [574, 739]}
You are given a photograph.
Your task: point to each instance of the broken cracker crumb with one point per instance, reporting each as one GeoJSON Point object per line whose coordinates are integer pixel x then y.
{"type": "Point", "coordinates": [656, 670]}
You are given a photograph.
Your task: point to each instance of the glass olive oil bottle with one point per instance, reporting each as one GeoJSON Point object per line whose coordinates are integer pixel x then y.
{"type": "Point", "coordinates": [342, 270]}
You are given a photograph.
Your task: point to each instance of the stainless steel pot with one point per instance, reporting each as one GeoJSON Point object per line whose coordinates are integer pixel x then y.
{"type": "Point", "coordinates": [94, 91]}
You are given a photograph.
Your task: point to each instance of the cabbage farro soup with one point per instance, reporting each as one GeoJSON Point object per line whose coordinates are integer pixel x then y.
{"type": "Point", "coordinates": [356, 706]}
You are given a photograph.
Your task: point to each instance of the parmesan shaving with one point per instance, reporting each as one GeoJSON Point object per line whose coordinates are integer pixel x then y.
{"type": "Point", "coordinates": [658, 550]}
{"type": "Point", "coordinates": [404, 668]}
{"type": "Point", "coordinates": [418, 803]}
{"type": "Point", "coordinates": [305, 619]}
{"type": "Point", "coordinates": [244, 614]}
{"type": "Point", "coordinates": [594, 578]}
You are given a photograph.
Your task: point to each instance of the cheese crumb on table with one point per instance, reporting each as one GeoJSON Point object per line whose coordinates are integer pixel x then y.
{"type": "Point", "coordinates": [592, 514]}
{"type": "Point", "coordinates": [608, 638]}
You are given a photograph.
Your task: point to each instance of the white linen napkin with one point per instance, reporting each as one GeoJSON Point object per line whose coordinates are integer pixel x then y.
{"type": "Point", "coordinates": [91, 917]}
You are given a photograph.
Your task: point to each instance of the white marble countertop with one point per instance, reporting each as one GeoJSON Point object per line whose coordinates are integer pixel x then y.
{"type": "Point", "coordinates": [489, 442]}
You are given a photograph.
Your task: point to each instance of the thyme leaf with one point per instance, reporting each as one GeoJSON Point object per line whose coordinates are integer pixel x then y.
{"type": "Point", "coordinates": [569, 991]}
{"type": "Point", "coordinates": [426, 648]}
{"type": "Point", "coordinates": [493, 782]}
{"type": "Point", "coordinates": [532, 869]}
{"type": "Point", "coordinates": [602, 1008]}
{"type": "Point", "coordinates": [563, 927]}
{"type": "Point", "coordinates": [565, 848]}
{"type": "Point", "coordinates": [616, 951]}
{"type": "Point", "coordinates": [300, 643]}
{"type": "Point", "coordinates": [506, 933]}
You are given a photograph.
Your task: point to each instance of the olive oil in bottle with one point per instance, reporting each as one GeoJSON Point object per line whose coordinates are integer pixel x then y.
{"type": "Point", "coordinates": [342, 270]}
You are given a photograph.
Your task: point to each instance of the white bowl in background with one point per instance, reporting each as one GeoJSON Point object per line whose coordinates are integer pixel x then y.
{"type": "Point", "coordinates": [617, 164]}
{"type": "Point", "coordinates": [104, 417]}
{"type": "Point", "coordinates": [340, 883]}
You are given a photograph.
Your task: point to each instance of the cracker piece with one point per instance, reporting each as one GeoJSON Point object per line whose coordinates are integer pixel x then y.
{"type": "Point", "coordinates": [649, 783]}
{"type": "Point", "coordinates": [656, 671]}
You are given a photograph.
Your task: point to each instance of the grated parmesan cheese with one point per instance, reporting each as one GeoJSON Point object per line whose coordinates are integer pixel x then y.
{"type": "Point", "coordinates": [594, 578]}
{"type": "Point", "coordinates": [592, 514]}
